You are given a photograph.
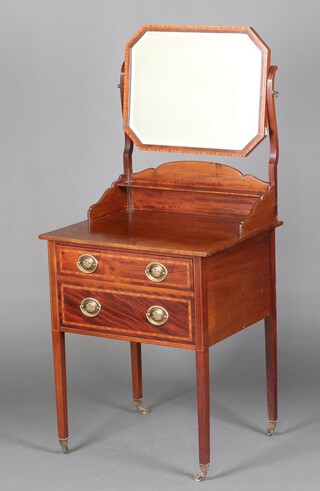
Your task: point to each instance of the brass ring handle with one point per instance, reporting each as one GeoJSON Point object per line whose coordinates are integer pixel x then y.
{"type": "Point", "coordinates": [90, 307]}
{"type": "Point", "coordinates": [87, 263]}
{"type": "Point", "coordinates": [157, 315]}
{"type": "Point", "coordinates": [156, 272]}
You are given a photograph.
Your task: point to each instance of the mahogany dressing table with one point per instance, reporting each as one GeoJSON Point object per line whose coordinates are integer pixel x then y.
{"type": "Point", "coordinates": [182, 255]}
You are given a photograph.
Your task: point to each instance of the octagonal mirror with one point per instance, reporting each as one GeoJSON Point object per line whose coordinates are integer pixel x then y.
{"type": "Point", "coordinates": [196, 89]}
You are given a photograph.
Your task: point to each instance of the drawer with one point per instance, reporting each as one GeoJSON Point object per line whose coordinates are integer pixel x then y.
{"type": "Point", "coordinates": [125, 268]}
{"type": "Point", "coordinates": [125, 313]}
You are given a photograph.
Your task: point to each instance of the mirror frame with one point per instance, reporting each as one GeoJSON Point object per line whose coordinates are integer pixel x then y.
{"type": "Point", "coordinates": [265, 65]}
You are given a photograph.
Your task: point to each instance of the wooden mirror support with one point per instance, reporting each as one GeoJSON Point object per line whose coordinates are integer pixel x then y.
{"type": "Point", "coordinates": [181, 255]}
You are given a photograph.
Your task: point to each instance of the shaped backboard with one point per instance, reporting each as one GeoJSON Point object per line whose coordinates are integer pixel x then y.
{"type": "Point", "coordinates": [196, 89]}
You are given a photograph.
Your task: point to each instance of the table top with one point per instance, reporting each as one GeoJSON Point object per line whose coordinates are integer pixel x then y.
{"type": "Point", "coordinates": [161, 232]}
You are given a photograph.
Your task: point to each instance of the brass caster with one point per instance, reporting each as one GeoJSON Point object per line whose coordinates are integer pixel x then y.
{"type": "Point", "coordinates": [140, 408]}
{"type": "Point", "coordinates": [203, 474]}
{"type": "Point", "coordinates": [64, 445]}
{"type": "Point", "coordinates": [271, 428]}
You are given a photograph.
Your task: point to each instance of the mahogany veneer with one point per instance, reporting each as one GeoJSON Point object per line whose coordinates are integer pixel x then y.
{"type": "Point", "coordinates": [210, 231]}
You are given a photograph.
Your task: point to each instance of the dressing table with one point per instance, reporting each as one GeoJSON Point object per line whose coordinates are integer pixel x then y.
{"type": "Point", "coordinates": [181, 255]}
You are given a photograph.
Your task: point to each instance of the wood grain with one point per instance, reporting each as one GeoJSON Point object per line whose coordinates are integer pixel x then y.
{"type": "Point", "coordinates": [203, 396]}
{"type": "Point", "coordinates": [113, 200]}
{"type": "Point", "coordinates": [52, 261]}
{"type": "Point", "coordinates": [136, 370]}
{"type": "Point", "coordinates": [129, 338]}
{"type": "Point", "coordinates": [263, 213]}
{"type": "Point", "coordinates": [273, 132]}
{"type": "Point", "coordinates": [271, 341]}
{"type": "Point", "coordinates": [59, 358]}
{"type": "Point", "coordinates": [198, 174]}
{"type": "Point", "coordinates": [180, 201]}
{"type": "Point", "coordinates": [201, 305]}
{"type": "Point", "coordinates": [125, 313]}
{"type": "Point", "coordinates": [239, 289]}
{"type": "Point", "coordinates": [127, 269]}
{"type": "Point", "coordinates": [271, 366]}
{"type": "Point", "coordinates": [213, 229]}
{"type": "Point", "coordinates": [154, 232]}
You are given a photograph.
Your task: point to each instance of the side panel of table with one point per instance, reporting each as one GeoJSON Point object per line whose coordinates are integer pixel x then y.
{"type": "Point", "coordinates": [239, 282]}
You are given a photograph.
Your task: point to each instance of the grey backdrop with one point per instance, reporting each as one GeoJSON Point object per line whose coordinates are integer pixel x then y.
{"type": "Point", "coordinates": [61, 147]}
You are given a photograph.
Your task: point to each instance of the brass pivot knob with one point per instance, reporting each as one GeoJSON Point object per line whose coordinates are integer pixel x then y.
{"type": "Point", "coordinates": [87, 263]}
{"type": "Point", "coordinates": [156, 272]}
{"type": "Point", "coordinates": [90, 307]}
{"type": "Point", "coordinates": [157, 315]}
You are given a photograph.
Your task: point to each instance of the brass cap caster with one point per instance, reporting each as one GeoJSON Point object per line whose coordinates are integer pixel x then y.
{"type": "Point", "coordinates": [271, 428]}
{"type": "Point", "coordinates": [140, 408]}
{"type": "Point", "coordinates": [64, 444]}
{"type": "Point", "coordinates": [203, 474]}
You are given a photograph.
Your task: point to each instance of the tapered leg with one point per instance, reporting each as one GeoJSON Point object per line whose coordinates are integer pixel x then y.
{"type": "Point", "coordinates": [136, 367]}
{"type": "Point", "coordinates": [271, 361]}
{"type": "Point", "coordinates": [203, 393]}
{"type": "Point", "coordinates": [271, 346]}
{"type": "Point", "coordinates": [59, 358]}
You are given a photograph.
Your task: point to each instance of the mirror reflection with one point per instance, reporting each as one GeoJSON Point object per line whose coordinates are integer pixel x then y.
{"type": "Point", "coordinates": [196, 90]}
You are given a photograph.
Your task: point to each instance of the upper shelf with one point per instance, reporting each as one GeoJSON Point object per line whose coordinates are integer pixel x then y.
{"type": "Point", "coordinates": [202, 189]}
{"type": "Point", "coordinates": [196, 89]}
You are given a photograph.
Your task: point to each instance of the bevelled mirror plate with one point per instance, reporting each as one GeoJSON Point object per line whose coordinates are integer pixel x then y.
{"type": "Point", "coordinates": [196, 89]}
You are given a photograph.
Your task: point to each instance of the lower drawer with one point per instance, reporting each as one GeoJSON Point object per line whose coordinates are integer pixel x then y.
{"type": "Point", "coordinates": [127, 313]}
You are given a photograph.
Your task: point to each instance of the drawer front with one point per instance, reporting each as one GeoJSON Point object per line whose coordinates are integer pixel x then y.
{"type": "Point", "coordinates": [122, 268]}
{"type": "Point", "coordinates": [125, 313]}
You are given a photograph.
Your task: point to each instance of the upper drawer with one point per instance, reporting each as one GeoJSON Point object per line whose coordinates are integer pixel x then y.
{"type": "Point", "coordinates": [125, 268]}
